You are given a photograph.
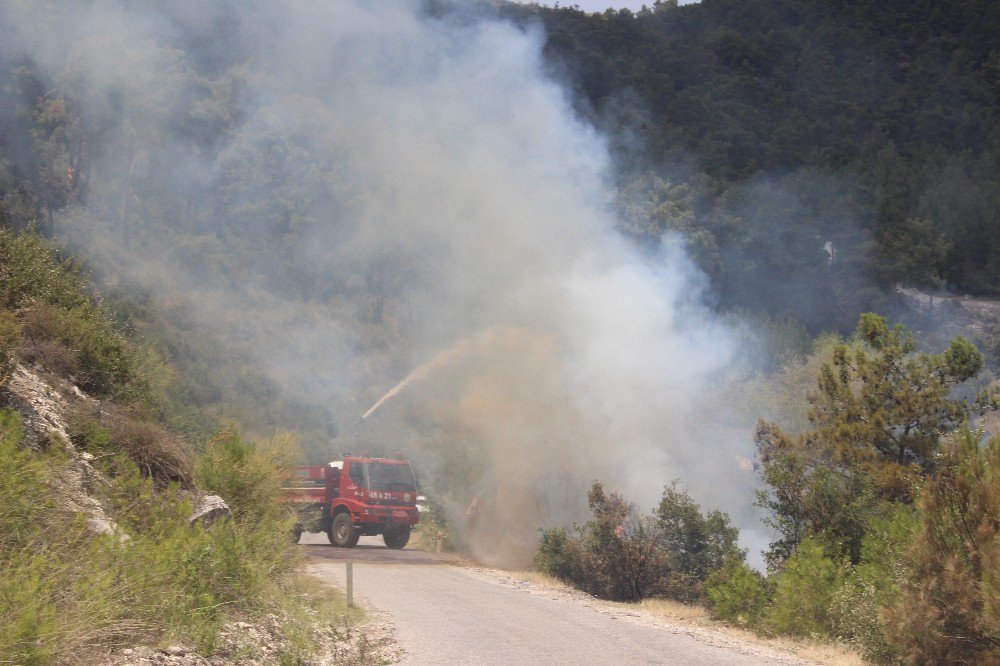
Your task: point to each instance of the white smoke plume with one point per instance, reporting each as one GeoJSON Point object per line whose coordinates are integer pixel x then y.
{"type": "Point", "coordinates": [348, 189]}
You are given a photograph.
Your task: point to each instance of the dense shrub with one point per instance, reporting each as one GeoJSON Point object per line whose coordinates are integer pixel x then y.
{"type": "Point", "coordinates": [949, 609]}
{"type": "Point", "coordinates": [738, 594]}
{"type": "Point", "coordinates": [615, 555]}
{"type": "Point", "coordinates": [556, 556]}
{"type": "Point", "coordinates": [10, 341]}
{"type": "Point", "coordinates": [434, 528]}
{"type": "Point", "coordinates": [874, 426]}
{"type": "Point", "coordinates": [620, 554]}
{"type": "Point", "coordinates": [804, 592]}
{"type": "Point", "coordinates": [108, 428]}
{"type": "Point", "coordinates": [874, 585]}
{"type": "Point", "coordinates": [695, 544]}
{"type": "Point", "coordinates": [248, 476]}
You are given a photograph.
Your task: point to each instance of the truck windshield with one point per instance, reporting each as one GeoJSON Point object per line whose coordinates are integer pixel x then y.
{"type": "Point", "coordinates": [392, 477]}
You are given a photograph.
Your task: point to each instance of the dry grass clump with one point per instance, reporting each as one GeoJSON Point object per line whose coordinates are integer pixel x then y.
{"type": "Point", "coordinates": [676, 610]}
{"type": "Point", "coordinates": [110, 429]}
{"type": "Point", "coordinates": [158, 453]}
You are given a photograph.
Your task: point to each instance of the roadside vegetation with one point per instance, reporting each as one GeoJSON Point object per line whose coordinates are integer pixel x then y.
{"type": "Point", "coordinates": [884, 507]}
{"type": "Point", "coordinates": [68, 594]}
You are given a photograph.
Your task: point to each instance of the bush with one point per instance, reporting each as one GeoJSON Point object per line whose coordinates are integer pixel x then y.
{"type": "Point", "coordinates": [949, 608]}
{"type": "Point", "coordinates": [876, 584]}
{"type": "Point", "coordinates": [622, 555]}
{"type": "Point", "coordinates": [559, 555]}
{"type": "Point", "coordinates": [695, 545]}
{"type": "Point", "coordinates": [70, 596]}
{"type": "Point", "coordinates": [10, 340]}
{"type": "Point", "coordinates": [738, 594]}
{"type": "Point", "coordinates": [249, 477]}
{"type": "Point", "coordinates": [615, 555]}
{"type": "Point", "coordinates": [35, 273]}
{"type": "Point", "coordinates": [112, 429]}
{"type": "Point", "coordinates": [804, 592]}
{"type": "Point", "coordinates": [434, 528]}
{"type": "Point", "coordinates": [20, 506]}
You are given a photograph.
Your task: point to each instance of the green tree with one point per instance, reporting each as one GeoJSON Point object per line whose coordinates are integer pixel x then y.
{"type": "Point", "coordinates": [623, 546]}
{"type": "Point", "coordinates": [738, 594]}
{"type": "Point", "coordinates": [696, 544]}
{"type": "Point", "coordinates": [804, 592]}
{"type": "Point", "coordinates": [949, 611]}
{"type": "Point", "coordinates": [876, 420]}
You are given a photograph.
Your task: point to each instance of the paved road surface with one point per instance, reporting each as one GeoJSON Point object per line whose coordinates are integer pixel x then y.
{"type": "Point", "coordinates": [450, 614]}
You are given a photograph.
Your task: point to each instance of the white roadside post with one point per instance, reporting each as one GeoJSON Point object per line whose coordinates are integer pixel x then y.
{"type": "Point", "coordinates": [350, 584]}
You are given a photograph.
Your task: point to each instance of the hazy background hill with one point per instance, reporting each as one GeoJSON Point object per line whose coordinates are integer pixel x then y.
{"type": "Point", "coordinates": [885, 111]}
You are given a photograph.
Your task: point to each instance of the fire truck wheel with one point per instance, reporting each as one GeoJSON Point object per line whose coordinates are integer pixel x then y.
{"type": "Point", "coordinates": [397, 538]}
{"type": "Point", "coordinates": [342, 532]}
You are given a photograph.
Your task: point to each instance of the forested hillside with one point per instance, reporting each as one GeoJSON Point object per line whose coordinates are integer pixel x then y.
{"type": "Point", "coordinates": [782, 124]}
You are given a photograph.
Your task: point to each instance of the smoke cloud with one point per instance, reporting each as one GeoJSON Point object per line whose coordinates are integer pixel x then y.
{"type": "Point", "coordinates": [348, 190]}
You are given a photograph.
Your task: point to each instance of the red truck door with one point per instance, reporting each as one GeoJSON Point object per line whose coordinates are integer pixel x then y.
{"type": "Point", "coordinates": [355, 480]}
{"type": "Point", "coordinates": [332, 483]}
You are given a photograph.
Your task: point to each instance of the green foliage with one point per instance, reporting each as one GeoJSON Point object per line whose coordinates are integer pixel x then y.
{"type": "Point", "coordinates": [63, 327]}
{"type": "Point", "coordinates": [10, 341]}
{"type": "Point", "coordinates": [949, 609]}
{"type": "Point", "coordinates": [856, 560]}
{"type": "Point", "coordinates": [804, 592]}
{"type": "Point", "coordinates": [18, 505]}
{"type": "Point", "coordinates": [875, 584]}
{"type": "Point", "coordinates": [875, 424]}
{"type": "Point", "coordinates": [620, 554]}
{"type": "Point", "coordinates": [560, 555]}
{"type": "Point", "coordinates": [890, 404]}
{"type": "Point", "coordinates": [806, 86]}
{"type": "Point", "coordinates": [68, 595]}
{"type": "Point", "coordinates": [248, 476]}
{"type": "Point", "coordinates": [434, 528]}
{"type": "Point", "coordinates": [807, 496]}
{"type": "Point", "coordinates": [738, 594]}
{"type": "Point", "coordinates": [696, 544]}
{"type": "Point", "coordinates": [35, 273]}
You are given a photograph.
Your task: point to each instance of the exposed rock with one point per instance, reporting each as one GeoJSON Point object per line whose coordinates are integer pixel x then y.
{"type": "Point", "coordinates": [980, 317]}
{"type": "Point", "coordinates": [263, 641]}
{"type": "Point", "coordinates": [209, 509]}
{"type": "Point", "coordinates": [42, 410]}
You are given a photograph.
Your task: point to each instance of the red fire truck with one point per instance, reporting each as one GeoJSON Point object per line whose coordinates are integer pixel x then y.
{"type": "Point", "coordinates": [355, 497]}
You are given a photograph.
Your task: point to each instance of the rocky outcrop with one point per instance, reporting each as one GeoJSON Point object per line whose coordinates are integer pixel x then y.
{"type": "Point", "coordinates": [979, 317]}
{"type": "Point", "coordinates": [209, 510]}
{"type": "Point", "coordinates": [264, 642]}
{"type": "Point", "coordinates": [42, 409]}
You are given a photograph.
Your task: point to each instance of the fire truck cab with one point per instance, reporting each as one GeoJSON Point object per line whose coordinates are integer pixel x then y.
{"type": "Point", "coordinates": [355, 497]}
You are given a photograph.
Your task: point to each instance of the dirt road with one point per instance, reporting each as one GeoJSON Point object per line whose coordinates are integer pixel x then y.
{"type": "Point", "coordinates": [449, 613]}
